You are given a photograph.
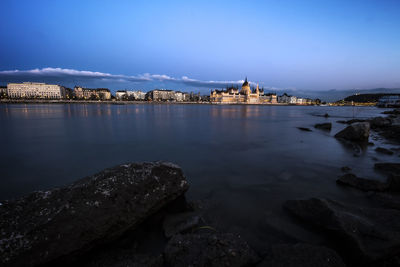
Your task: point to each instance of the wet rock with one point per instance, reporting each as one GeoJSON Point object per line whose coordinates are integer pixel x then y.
{"type": "Point", "coordinates": [379, 122]}
{"type": "Point", "coordinates": [358, 132]}
{"type": "Point", "coordinates": [179, 223]}
{"type": "Point", "coordinates": [208, 250]}
{"type": "Point", "coordinates": [345, 169]}
{"type": "Point", "coordinates": [304, 129]}
{"type": "Point", "coordinates": [393, 183]}
{"type": "Point", "coordinates": [126, 258]}
{"type": "Point", "coordinates": [365, 234]}
{"type": "Point", "coordinates": [300, 255]}
{"type": "Point", "coordinates": [391, 133]}
{"type": "Point", "coordinates": [43, 226]}
{"type": "Point", "coordinates": [389, 168]}
{"type": "Point", "coordinates": [351, 121]}
{"type": "Point", "coordinates": [395, 112]}
{"type": "Point", "coordinates": [363, 184]}
{"type": "Point", "coordinates": [383, 150]}
{"type": "Point", "coordinates": [324, 126]}
{"type": "Point", "coordinates": [386, 200]}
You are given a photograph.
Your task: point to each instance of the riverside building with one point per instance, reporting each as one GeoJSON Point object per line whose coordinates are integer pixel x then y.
{"type": "Point", "coordinates": [35, 90]}
{"type": "Point", "coordinates": [93, 94]}
{"type": "Point", "coordinates": [130, 95]}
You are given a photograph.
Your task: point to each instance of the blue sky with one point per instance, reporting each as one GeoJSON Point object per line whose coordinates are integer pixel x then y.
{"type": "Point", "coordinates": [201, 45]}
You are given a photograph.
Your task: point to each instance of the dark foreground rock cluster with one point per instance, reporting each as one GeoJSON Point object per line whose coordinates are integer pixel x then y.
{"type": "Point", "coordinates": [363, 235]}
{"type": "Point", "coordinates": [367, 236]}
{"type": "Point", "coordinates": [136, 214]}
{"type": "Point", "coordinates": [130, 215]}
{"type": "Point", "coordinates": [358, 129]}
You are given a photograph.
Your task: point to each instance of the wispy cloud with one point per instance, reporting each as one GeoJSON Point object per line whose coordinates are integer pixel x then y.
{"type": "Point", "coordinates": [61, 75]}
{"type": "Point", "coordinates": [67, 73]}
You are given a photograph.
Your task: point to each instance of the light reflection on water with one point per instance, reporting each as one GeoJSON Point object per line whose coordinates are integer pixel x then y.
{"type": "Point", "coordinates": [241, 161]}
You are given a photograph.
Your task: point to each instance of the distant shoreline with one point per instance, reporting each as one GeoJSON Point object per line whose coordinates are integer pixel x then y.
{"type": "Point", "coordinates": [110, 102]}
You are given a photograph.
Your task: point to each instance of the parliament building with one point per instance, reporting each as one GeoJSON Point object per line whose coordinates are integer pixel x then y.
{"type": "Point", "coordinates": [232, 95]}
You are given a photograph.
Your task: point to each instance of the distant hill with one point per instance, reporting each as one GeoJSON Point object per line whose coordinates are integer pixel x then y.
{"type": "Point", "coordinates": [336, 95]}
{"type": "Point", "coordinates": [365, 98]}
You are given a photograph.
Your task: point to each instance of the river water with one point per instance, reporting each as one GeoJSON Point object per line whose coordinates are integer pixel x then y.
{"type": "Point", "coordinates": [242, 162]}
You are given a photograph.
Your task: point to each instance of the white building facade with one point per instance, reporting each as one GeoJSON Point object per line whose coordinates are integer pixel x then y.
{"type": "Point", "coordinates": [136, 95]}
{"type": "Point", "coordinates": [35, 90]}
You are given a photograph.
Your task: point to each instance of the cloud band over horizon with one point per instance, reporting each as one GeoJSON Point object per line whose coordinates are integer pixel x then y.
{"type": "Point", "coordinates": [69, 76]}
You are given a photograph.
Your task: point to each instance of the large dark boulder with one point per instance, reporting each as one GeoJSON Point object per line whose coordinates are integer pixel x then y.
{"type": "Point", "coordinates": [211, 249]}
{"type": "Point", "coordinates": [363, 184]}
{"type": "Point", "coordinates": [301, 255]}
{"type": "Point", "coordinates": [365, 234]}
{"type": "Point", "coordinates": [44, 226]}
{"type": "Point", "coordinates": [358, 132]}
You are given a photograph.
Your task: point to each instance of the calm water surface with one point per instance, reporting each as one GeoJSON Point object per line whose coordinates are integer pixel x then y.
{"type": "Point", "coordinates": [242, 162]}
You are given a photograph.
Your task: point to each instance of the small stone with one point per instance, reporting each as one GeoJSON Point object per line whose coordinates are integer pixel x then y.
{"type": "Point", "coordinates": [324, 126]}
{"type": "Point", "coordinates": [345, 169]}
{"type": "Point", "coordinates": [304, 129]}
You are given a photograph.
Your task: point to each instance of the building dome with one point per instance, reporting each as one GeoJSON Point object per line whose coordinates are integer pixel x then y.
{"type": "Point", "coordinates": [246, 87]}
{"type": "Point", "coordinates": [246, 83]}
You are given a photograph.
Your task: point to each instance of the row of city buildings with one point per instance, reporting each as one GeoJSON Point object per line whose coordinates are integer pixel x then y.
{"type": "Point", "coordinates": [231, 95]}
{"type": "Point", "coordinates": [160, 95]}
{"type": "Point", "coordinates": [30, 90]}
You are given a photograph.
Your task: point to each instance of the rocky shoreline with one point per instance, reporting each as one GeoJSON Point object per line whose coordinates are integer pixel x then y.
{"type": "Point", "coordinates": [136, 214]}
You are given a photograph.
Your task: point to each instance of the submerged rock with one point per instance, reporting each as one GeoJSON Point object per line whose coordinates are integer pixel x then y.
{"type": "Point", "coordinates": [209, 250]}
{"type": "Point", "coordinates": [394, 111]}
{"type": "Point", "coordinates": [345, 169]}
{"type": "Point", "coordinates": [379, 122]}
{"type": "Point", "coordinates": [355, 132]}
{"type": "Point", "coordinates": [393, 183]}
{"type": "Point", "coordinates": [324, 126]}
{"type": "Point", "coordinates": [386, 200]}
{"type": "Point", "coordinates": [389, 168]}
{"type": "Point", "coordinates": [178, 223]}
{"type": "Point", "coordinates": [391, 133]}
{"type": "Point", "coordinates": [365, 234]}
{"type": "Point", "coordinates": [44, 226]}
{"type": "Point", "coordinates": [350, 121]}
{"type": "Point", "coordinates": [383, 150]}
{"type": "Point", "coordinates": [304, 129]}
{"type": "Point", "coordinates": [363, 184]}
{"type": "Point", "coordinates": [300, 255]}
{"type": "Point", "coordinates": [126, 258]}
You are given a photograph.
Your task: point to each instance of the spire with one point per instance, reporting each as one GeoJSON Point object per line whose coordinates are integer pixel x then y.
{"type": "Point", "coordinates": [245, 80]}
